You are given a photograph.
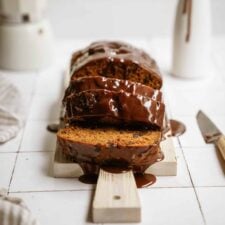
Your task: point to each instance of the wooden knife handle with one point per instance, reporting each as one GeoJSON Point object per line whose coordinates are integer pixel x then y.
{"type": "Point", "coordinates": [221, 145]}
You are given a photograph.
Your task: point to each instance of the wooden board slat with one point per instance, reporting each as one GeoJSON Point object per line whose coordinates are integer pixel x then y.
{"type": "Point", "coordinates": [167, 167]}
{"type": "Point", "coordinates": [116, 199]}
{"type": "Point", "coordinates": [64, 168]}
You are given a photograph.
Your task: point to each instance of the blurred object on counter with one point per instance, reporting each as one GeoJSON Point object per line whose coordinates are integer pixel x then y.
{"type": "Point", "coordinates": [26, 41]}
{"type": "Point", "coordinates": [13, 211]}
{"type": "Point", "coordinates": [12, 110]}
{"type": "Point", "coordinates": [192, 39]}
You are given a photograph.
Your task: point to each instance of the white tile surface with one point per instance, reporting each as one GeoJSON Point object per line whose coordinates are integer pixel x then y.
{"type": "Point", "coordinates": [33, 173]}
{"type": "Point", "coordinates": [181, 180]}
{"type": "Point", "coordinates": [25, 81]}
{"type": "Point", "coordinates": [59, 208]}
{"type": "Point", "coordinates": [206, 166]}
{"type": "Point", "coordinates": [12, 145]}
{"type": "Point", "coordinates": [45, 107]}
{"type": "Point", "coordinates": [180, 105]}
{"type": "Point", "coordinates": [219, 121]}
{"type": "Point", "coordinates": [50, 81]}
{"type": "Point", "coordinates": [192, 137]}
{"type": "Point", "coordinates": [214, 103]}
{"type": "Point", "coordinates": [173, 206]}
{"type": "Point", "coordinates": [186, 97]}
{"type": "Point", "coordinates": [218, 55]}
{"type": "Point", "coordinates": [176, 142]}
{"type": "Point", "coordinates": [37, 138]}
{"type": "Point", "coordinates": [7, 162]}
{"type": "Point", "coordinates": [213, 203]}
{"type": "Point", "coordinates": [192, 85]}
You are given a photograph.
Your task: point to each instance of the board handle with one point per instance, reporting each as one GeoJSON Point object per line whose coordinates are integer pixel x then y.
{"type": "Point", "coordinates": [221, 145]}
{"type": "Point", "coordinates": [116, 199]}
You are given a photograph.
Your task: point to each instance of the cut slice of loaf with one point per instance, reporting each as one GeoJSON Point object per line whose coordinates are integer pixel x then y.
{"type": "Point", "coordinates": [116, 60]}
{"type": "Point", "coordinates": [119, 107]}
{"type": "Point", "coordinates": [111, 84]}
{"type": "Point", "coordinates": [95, 147]}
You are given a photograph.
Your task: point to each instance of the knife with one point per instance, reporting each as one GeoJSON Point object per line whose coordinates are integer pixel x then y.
{"type": "Point", "coordinates": [210, 132]}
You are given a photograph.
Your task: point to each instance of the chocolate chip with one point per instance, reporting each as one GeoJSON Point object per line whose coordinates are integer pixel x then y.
{"type": "Point", "coordinates": [97, 148]}
{"type": "Point", "coordinates": [53, 127]}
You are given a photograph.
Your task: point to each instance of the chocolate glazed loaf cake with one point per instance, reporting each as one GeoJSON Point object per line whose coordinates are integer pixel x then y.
{"type": "Point", "coordinates": [114, 109]}
{"type": "Point", "coordinates": [112, 84]}
{"type": "Point", "coordinates": [116, 60]}
{"type": "Point", "coordinates": [94, 147]}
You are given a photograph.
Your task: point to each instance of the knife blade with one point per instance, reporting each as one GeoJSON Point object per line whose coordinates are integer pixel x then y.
{"type": "Point", "coordinates": [211, 132]}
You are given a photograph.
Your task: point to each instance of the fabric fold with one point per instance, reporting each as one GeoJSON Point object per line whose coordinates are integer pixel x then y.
{"type": "Point", "coordinates": [12, 110]}
{"type": "Point", "coordinates": [13, 211]}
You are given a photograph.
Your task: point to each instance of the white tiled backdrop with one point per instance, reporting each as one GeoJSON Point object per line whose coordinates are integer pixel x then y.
{"type": "Point", "coordinates": [116, 18]}
{"type": "Point", "coordinates": [195, 196]}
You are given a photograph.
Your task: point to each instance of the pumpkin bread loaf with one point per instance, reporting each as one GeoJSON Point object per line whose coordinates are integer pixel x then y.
{"type": "Point", "coordinates": [114, 108]}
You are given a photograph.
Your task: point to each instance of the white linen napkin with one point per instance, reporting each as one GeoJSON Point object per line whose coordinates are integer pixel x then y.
{"type": "Point", "coordinates": [12, 110]}
{"type": "Point", "coordinates": [13, 211]}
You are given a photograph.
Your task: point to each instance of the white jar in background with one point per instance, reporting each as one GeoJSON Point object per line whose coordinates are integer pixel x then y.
{"type": "Point", "coordinates": [192, 39]}
{"type": "Point", "coordinates": [26, 39]}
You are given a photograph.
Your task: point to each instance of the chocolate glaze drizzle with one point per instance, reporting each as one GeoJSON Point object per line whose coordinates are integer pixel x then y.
{"type": "Point", "coordinates": [115, 108]}
{"type": "Point", "coordinates": [142, 179]}
{"type": "Point", "coordinates": [111, 54]}
{"type": "Point", "coordinates": [89, 178]}
{"type": "Point", "coordinates": [111, 84]}
{"type": "Point", "coordinates": [188, 9]}
{"type": "Point", "coordinates": [53, 127]}
{"type": "Point", "coordinates": [177, 128]}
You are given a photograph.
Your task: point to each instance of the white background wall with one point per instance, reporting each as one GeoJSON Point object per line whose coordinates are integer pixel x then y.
{"type": "Point", "coordinates": [116, 18]}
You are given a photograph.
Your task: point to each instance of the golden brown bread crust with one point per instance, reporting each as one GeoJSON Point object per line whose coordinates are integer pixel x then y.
{"type": "Point", "coordinates": [106, 147]}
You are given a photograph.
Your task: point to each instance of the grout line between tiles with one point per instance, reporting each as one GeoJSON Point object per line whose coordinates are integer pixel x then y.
{"type": "Point", "coordinates": [9, 152]}
{"type": "Point", "coordinates": [194, 188]}
{"type": "Point", "coordinates": [170, 187]}
{"type": "Point", "coordinates": [91, 189]}
{"type": "Point", "coordinates": [208, 146]}
{"type": "Point", "coordinates": [23, 151]}
{"type": "Point", "coordinates": [23, 131]}
{"type": "Point", "coordinates": [14, 166]}
{"type": "Point", "coordinates": [210, 186]}
{"type": "Point", "coordinates": [44, 191]}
